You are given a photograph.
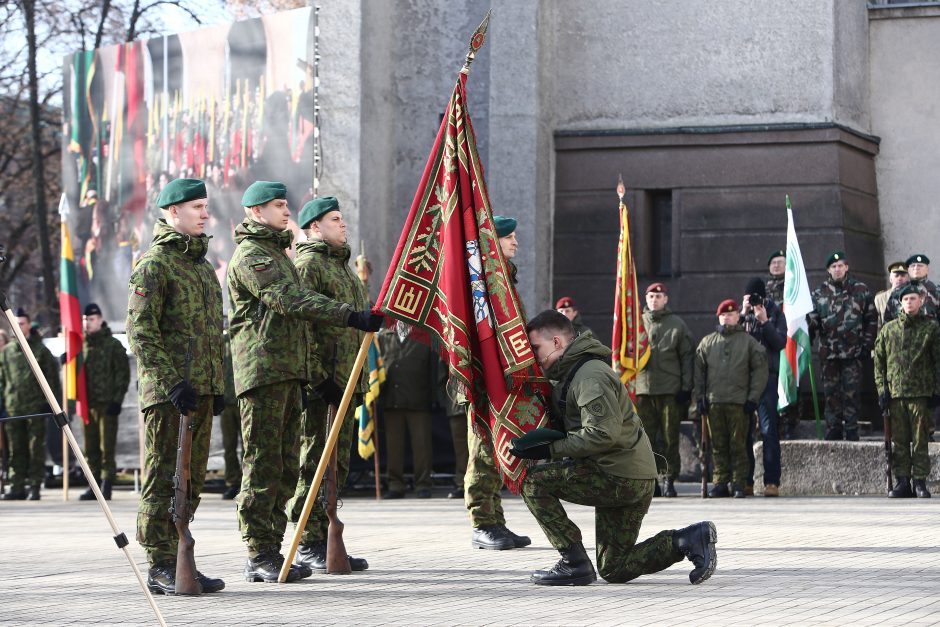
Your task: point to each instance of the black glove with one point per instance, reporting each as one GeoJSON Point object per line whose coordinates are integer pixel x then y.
{"type": "Point", "coordinates": [183, 397]}
{"type": "Point", "coordinates": [702, 406]}
{"type": "Point", "coordinates": [884, 400]}
{"type": "Point", "coordinates": [365, 320]}
{"type": "Point", "coordinates": [330, 392]}
{"type": "Point", "coordinates": [934, 401]}
{"type": "Point", "coordinates": [218, 405]}
{"type": "Point", "coordinates": [750, 407]}
{"type": "Point", "coordinates": [683, 397]}
{"type": "Point", "coordinates": [114, 409]}
{"type": "Point", "coordinates": [542, 451]}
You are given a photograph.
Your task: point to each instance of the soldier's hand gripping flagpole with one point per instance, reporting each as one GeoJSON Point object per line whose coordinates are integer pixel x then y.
{"type": "Point", "coordinates": [328, 447]}
{"type": "Point", "coordinates": [62, 421]}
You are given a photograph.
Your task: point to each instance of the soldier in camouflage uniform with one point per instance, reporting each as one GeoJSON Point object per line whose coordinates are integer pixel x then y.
{"type": "Point", "coordinates": [23, 396]}
{"type": "Point", "coordinates": [907, 375]}
{"type": "Point", "coordinates": [230, 422]}
{"type": "Point", "coordinates": [603, 460]}
{"type": "Point", "coordinates": [845, 322]}
{"type": "Point", "coordinates": [776, 268]}
{"type": "Point", "coordinates": [174, 299]}
{"type": "Point", "coordinates": [664, 385]}
{"type": "Point", "coordinates": [897, 277]}
{"type": "Point", "coordinates": [107, 375]}
{"type": "Point", "coordinates": [730, 375]}
{"type": "Point", "coordinates": [322, 263]}
{"type": "Point", "coordinates": [918, 268]}
{"type": "Point", "coordinates": [271, 350]}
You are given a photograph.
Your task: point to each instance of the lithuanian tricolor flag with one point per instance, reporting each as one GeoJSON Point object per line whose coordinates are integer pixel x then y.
{"type": "Point", "coordinates": [71, 313]}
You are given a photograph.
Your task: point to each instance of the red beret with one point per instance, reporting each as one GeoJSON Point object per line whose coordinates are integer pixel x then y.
{"type": "Point", "coordinates": [727, 306]}
{"type": "Point", "coordinates": [657, 288]}
{"type": "Point", "coordinates": [565, 301]}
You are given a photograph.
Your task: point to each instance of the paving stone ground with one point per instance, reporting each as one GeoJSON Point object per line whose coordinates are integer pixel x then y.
{"type": "Point", "coordinates": [787, 561]}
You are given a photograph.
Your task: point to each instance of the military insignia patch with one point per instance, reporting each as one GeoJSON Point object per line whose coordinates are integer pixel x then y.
{"type": "Point", "coordinates": [261, 265]}
{"type": "Point", "coordinates": [596, 407]}
{"type": "Point", "coordinates": [140, 291]}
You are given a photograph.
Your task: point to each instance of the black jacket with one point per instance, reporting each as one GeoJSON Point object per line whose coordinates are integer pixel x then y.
{"type": "Point", "coordinates": [772, 335]}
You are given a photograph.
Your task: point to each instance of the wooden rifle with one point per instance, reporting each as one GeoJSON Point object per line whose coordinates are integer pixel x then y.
{"type": "Point", "coordinates": [181, 506]}
{"type": "Point", "coordinates": [337, 560]}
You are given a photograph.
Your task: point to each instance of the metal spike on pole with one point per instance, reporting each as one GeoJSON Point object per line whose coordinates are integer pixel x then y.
{"type": "Point", "coordinates": [476, 41]}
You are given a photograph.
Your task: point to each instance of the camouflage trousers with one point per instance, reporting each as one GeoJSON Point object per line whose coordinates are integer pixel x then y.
{"type": "Point", "coordinates": [482, 481]}
{"type": "Point", "coordinates": [419, 428]}
{"type": "Point", "coordinates": [26, 446]}
{"type": "Point", "coordinates": [909, 418]}
{"type": "Point", "coordinates": [727, 430]}
{"type": "Point", "coordinates": [842, 385]}
{"type": "Point", "coordinates": [660, 415]}
{"type": "Point", "coordinates": [100, 442]}
{"type": "Point", "coordinates": [271, 442]}
{"type": "Point", "coordinates": [458, 431]}
{"type": "Point", "coordinates": [312, 439]}
{"type": "Point", "coordinates": [230, 423]}
{"type": "Point", "coordinates": [155, 530]}
{"type": "Point", "coordinates": [619, 507]}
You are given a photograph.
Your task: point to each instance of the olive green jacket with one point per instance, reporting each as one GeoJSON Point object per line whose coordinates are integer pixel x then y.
{"type": "Point", "coordinates": [413, 376]}
{"type": "Point", "coordinates": [669, 369]}
{"type": "Point", "coordinates": [107, 371]}
{"type": "Point", "coordinates": [19, 390]}
{"type": "Point", "coordinates": [730, 367]}
{"type": "Point", "coordinates": [907, 357]}
{"type": "Point", "coordinates": [175, 295]}
{"type": "Point", "coordinates": [601, 422]}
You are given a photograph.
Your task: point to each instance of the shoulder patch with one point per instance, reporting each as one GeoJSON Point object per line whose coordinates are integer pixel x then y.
{"type": "Point", "coordinates": [260, 264]}
{"type": "Point", "coordinates": [595, 407]}
{"type": "Point", "coordinates": [141, 291]}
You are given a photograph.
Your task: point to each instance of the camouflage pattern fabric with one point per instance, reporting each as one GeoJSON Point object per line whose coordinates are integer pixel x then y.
{"type": "Point", "coordinates": [18, 387]}
{"type": "Point", "coordinates": [312, 438]}
{"type": "Point", "coordinates": [270, 436]}
{"type": "Point", "coordinates": [842, 380]}
{"type": "Point", "coordinates": [101, 442]}
{"type": "Point", "coordinates": [843, 319]}
{"type": "Point", "coordinates": [26, 445]}
{"type": "Point", "coordinates": [909, 438]}
{"type": "Point", "coordinates": [107, 370]}
{"type": "Point", "coordinates": [175, 295]}
{"type": "Point", "coordinates": [155, 530]}
{"type": "Point", "coordinates": [730, 367]}
{"type": "Point", "coordinates": [907, 357]}
{"type": "Point", "coordinates": [669, 369]}
{"type": "Point", "coordinates": [661, 416]}
{"type": "Point", "coordinates": [929, 291]}
{"type": "Point", "coordinates": [774, 288]}
{"type": "Point", "coordinates": [482, 481]}
{"type": "Point", "coordinates": [727, 428]}
{"type": "Point", "coordinates": [620, 505]}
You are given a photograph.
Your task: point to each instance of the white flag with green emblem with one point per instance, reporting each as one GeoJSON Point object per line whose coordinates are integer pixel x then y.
{"type": "Point", "coordinates": [797, 302]}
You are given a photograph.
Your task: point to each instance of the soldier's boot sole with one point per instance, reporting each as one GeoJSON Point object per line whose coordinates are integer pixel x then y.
{"type": "Point", "coordinates": [492, 547]}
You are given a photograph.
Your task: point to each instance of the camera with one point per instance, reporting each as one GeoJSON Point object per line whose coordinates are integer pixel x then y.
{"type": "Point", "coordinates": [755, 300]}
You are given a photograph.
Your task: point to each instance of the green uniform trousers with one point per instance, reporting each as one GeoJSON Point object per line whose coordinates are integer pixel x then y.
{"type": "Point", "coordinates": [619, 507]}
{"type": "Point", "coordinates": [482, 481]}
{"type": "Point", "coordinates": [312, 439]}
{"type": "Point", "coordinates": [230, 423]}
{"type": "Point", "coordinates": [661, 416]}
{"type": "Point", "coordinates": [727, 428]}
{"type": "Point", "coordinates": [26, 446]}
{"type": "Point", "coordinates": [155, 530]}
{"type": "Point", "coordinates": [419, 428]}
{"type": "Point", "coordinates": [909, 420]}
{"type": "Point", "coordinates": [271, 440]}
{"type": "Point", "coordinates": [458, 431]}
{"type": "Point", "coordinates": [100, 442]}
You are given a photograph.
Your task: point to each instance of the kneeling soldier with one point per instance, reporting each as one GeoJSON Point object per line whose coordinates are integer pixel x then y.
{"type": "Point", "coordinates": [605, 461]}
{"type": "Point", "coordinates": [907, 374]}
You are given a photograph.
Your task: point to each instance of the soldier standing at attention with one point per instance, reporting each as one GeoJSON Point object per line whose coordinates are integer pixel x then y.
{"type": "Point", "coordinates": [603, 460]}
{"type": "Point", "coordinates": [322, 264]}
{"type": "Point", "coordinates": [907, 375]}
{"type": "Point", "coordinates": [107, 375]}
{"type": "Point", "coordinates": [776, 267]}
{"type": "Point", "coordinates": [730, 375]}
{"type": "Point", "coordinates": [897, 277]}
{"type": "Point", "coordinates": [271, 351]}
{"type": "Point", "coordinates": [918, 267]}
{"type": "Point", "coordinates": [845, 322]}
{"type": "Point", "coordinates": [174, 295]}
{"type": "Point", "coordinates": [664, 386]}
{"type": "Point", "coordinates": [569, 308]}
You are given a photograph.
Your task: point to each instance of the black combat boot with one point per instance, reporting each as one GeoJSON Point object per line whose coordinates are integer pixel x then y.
{"type": "Point", "coordinates": [902, 489]}
{"type": "Point", "coordinates": [14, 495]}
{"type": "Point", "coordinates": [161, 578]}
{"type": "Point", "coordinates": [491, 537]}
{"type": "Point", "coordinates": [209, 584]}
{"type": "Point", "coordinates": [230, 493]}
{"type": "Point", "coordinates": [89, 495]}
{"type": "Point", "coordinates": [313, 556]}
{"type": "Point", "coordinates": [670, 490]}
{"type": "Point", "coordinates": [719, 491]}
{"type": "Point", "coordinates": [573, 569]}
{"type": "Point", "coordinates": [33, 494]}
{"type": "Point", "coordinates": [920, 488]}
{"type": "Point", "coordinates": [106, 491]}
{"type": "Point", "coordinates": [697, 542]}
{"type": "Point", "coordinates": [517, 540]}
{"type": "Point", "coordinates": [658, 490]}
{"type": "Point", "coordinates": [738, 491]}
{"type": "Point", "coordinates": [267, 567]}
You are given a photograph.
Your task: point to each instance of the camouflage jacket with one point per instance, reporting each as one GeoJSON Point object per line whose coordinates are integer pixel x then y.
{"type": "Point", "coordinates": [175, 295]}
{"type": "Point", "coordinates": [930, 308]}
{"type": "Point", "coordinates": [669, 369]}
{"type": "Point", "coordinates": [843, 319]}
{"type": "Point", "coordinates": [228, 370]}
{"type": "Point", "coordinates": [775, 288]}
{"type": "Point", "coordinates": [326, 270]}
{"type": "Point", "coordinates": [730, 367]}
{"type": "Point", "coordinates": [20, 392]}
{"type": "Point", "coordinates": [598, 415]}
{"type": "Point", "coordinates": [107, 371]}
{"type": "Point", "coordinates": [270, 310]}
{"type": "Point", "coordinates": [907, 357]}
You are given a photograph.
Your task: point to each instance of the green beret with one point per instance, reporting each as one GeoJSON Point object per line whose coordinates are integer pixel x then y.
{"type": "Point", "coordinates": [918, 258]}
{"type": "Point", "coordinates": [897, 266]}
{"type": "Point", "coordinates": [181, 190]}
{"type": "Point", "coordinates": [834, 257]}
{"type": "Point", "coordinates": [316, 209]}
{"type": "Point", "coordinates": [536, 437]}
{"type": "Point", "coordinates": [775, 254]}
{"type": "Point", "coordinates": [504, 225]}
{"type": "Point", "coordinates": [908, 289]}
{"type": "Point", "coordinates": [261, 192]}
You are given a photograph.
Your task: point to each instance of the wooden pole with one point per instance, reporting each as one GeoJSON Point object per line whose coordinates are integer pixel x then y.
{"type": "Point", "coordinates": [325, 457]}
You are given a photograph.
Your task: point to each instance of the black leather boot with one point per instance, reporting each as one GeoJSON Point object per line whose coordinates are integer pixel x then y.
{"type": "Point", "coordinates": [34, 494]}
{"type": "Point", "coordinates": [920, 489]}
{"type": "Point", "coordinates": [902, 489]}
{"type": "Point", "coordinates": [670, 490]}
{"type": "Point", "coordinates": [697, 542]}
{"type": "Point", "coordinates": [89, 495]}
{"type": "Point", "coordinates": [267, 567]}
{"type": "Point", "coordinates": [14, 495]}
{"type": "Point", "coordinates": [573, 569]}
{"type": "Point", "coordinates": [491, 537]}
{"type": "Point", "coordinates": [719, 491]}
{"type": "Point", "coordinates": [106, 491]}
{"type": "Point", "coordinates": [313, 556]}
{"type": "Point", "coordinates": [161, 578]}
{"type": "Point", "coordinates": [517, 540]}
{"type": "Point", "coordinates": [738, 491]}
